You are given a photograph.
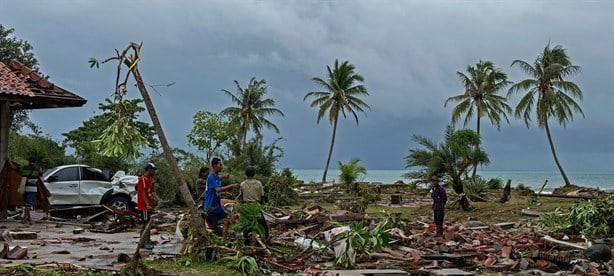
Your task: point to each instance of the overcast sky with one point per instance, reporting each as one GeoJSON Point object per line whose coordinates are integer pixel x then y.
{"type": "Point", "coordinates": [408, 52]}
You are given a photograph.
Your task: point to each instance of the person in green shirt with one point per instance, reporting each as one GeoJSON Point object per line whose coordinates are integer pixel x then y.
{"type": "Point", "coordinates": [252, 192]}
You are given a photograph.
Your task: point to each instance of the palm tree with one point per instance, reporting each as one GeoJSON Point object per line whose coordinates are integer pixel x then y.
{"type": "Point", "coordinates": [251, 108]}
{"type": "Point", "coordinates": [342, 92]}
{"type": "Point", "coordinates": [549, 92]}
{"type": "Point", "coordinates": [482, 83]}
{"type": "Point", "coordinates": [454, 156]}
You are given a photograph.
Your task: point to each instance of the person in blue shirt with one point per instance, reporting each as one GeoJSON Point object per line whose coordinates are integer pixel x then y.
{"type": "Point", "coordinates": [212, 205]}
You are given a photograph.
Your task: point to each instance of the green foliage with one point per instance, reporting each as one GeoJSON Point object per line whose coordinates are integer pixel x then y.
{"type": "Point", "coordinates": [351, 172]}
{"type": "Point", "coordinates": [279, 189]}
{"type": "Point", "coordinates": [120, 139]}
{"type": "Point", "coordinates": [166, 190]}
{"type": "Point", "coordinates": [81, 138]}
{"type": "Point", "coordinates": [480, 98]}
{"type": "Point", "coordinates": [554, 221]}
{"type": "Point", "coordinates": [251, 109]}
{"type": "Point", "coordinates": [262, 158]}
{"type": "Point", "coordinates": [210, 132]}
{"type": "Point", "coordinates": [592, 218]}
{"type": "Point", "coordinates": [50, 154]}
{"type": "Point", "coordinates": [246, 265]}
{"type": "Point", "coordinates": [360, 239]}
{"type": "Point", "coordinates": [495, 183]}
{"type": "Point", "coordinates": [522, 187]}
{"type": "Point", "coordinates": [249, 213]}
{"type": "Point", "coordinates": [475, 189]}
{"type": "Point", "coordinates": [458, 153]}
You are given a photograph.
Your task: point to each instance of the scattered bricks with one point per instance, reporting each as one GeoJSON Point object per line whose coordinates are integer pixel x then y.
{"type": "Point", "coordinates": [506, 251]}
{"type": "Point", "coordinates": [489, 261]}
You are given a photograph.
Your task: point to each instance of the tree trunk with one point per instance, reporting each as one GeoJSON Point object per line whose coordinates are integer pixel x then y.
{"type": "Point", "coordinates": [197, 220]}
{"type": "Point", "coordinates": [475, 165]}
{"type": "Point", "coordinates": [330, 151]}
{"type": "Point", "coordinates": [556, 159]}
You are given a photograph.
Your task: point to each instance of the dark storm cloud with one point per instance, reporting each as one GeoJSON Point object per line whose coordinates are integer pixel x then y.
{"type": "Point", "coordinates": [408, 52]}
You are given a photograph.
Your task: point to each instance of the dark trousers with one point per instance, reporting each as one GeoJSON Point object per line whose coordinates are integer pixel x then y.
{"type": "Point", "coordinates": [438, 214]}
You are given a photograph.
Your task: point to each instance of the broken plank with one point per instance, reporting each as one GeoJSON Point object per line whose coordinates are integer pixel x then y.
{"type": "Point", "coordinates": [23, 235]}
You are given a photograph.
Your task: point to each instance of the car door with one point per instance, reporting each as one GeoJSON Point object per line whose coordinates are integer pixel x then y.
{"type": "Point", "coordinates": [93, 185]}
{"type": "Point", "coordinates": [63, 185]}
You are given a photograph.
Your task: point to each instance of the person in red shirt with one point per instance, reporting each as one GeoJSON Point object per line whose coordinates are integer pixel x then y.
{"type": "Point", "coordinates": [144, 197]}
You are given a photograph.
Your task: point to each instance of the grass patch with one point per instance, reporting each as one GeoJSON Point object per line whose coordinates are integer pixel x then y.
{"type": "Point", "coordinates": [487, 212]}
{"type": "Point", "coordinates": [189, 266]}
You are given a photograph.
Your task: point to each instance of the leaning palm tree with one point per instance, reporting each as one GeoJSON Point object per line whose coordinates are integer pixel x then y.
{"type": "Point", "coordinates": [482, 83]}
{"type": "Point", "coordinates": [549, 91]}
{"type": "Point", "coordinates": [342, 92]}
{"type": "Point", "coordinates": [251, 108]}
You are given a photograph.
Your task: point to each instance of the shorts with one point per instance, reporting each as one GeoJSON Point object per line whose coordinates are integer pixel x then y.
{"type": "Point", "coordinates": [213, 219]}
{"type": "Point", "coordinates": [28, 199]}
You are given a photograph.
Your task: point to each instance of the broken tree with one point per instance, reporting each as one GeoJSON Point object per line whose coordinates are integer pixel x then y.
{"type": "Point", "coordinates": [128, 60]}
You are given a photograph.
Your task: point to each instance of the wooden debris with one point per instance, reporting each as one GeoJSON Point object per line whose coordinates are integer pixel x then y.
{"type": "Point", "coordinates": [564, 243]}
{"type": "Point", "coordinates": [23, 235]}
{"type": "Point", "coordinates": [530, 213]}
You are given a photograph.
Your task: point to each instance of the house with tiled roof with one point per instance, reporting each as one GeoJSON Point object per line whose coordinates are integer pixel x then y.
{"type": "Point", "coordinates": [22, 88]}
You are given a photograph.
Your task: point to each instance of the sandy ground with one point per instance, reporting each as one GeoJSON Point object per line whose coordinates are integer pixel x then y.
{"type": "Point", "coordinates": [56, 243]}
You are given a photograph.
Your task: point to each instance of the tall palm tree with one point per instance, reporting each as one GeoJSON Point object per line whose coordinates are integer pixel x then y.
{"type": "Point", "coordinates": [482, 83]}
{"type": "Point", "coordinates": [549, 91]}
{"type": "Point", "coordinates": [342, 92]}
{"type": "Point", "coordinates": [251, 108]}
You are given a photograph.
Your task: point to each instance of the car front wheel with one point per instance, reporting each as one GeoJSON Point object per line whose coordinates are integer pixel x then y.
{"type": "Point", "coordinates": [119, 202]}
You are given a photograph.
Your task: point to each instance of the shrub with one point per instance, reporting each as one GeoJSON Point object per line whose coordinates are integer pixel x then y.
{"type": "Point", "coordinates": [279, 189]}
{"type": "Point", "coordinates": [495, 183]}
{"type": "Point", "coordinates": [475, 189]}
{"type": "Point", "coordinates": [590, 218]}
{"type": "Point", "coordinates": [351, 172]}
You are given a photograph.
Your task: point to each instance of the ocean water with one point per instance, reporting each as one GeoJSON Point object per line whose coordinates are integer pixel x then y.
{"type": "Point", "coordinates": [533, 179]}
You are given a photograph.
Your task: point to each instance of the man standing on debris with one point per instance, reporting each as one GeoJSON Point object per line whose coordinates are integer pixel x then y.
{"type": "Point", "coordinates": [440, 198]}
{"type": "Point", "coordinates": [252, 192]}
{"type": "Point", "coordinates": [212, 204]}
{"type": "Point", "coordinates": [30, 173]}
{"type": "Point", "coordinates": [144, 199]}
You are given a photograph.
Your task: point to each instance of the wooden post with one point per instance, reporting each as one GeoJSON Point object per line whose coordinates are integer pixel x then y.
{"type": "Point", "coordinates": [543, 186]}
{"type": "Point", "coordinates": [5, 123]}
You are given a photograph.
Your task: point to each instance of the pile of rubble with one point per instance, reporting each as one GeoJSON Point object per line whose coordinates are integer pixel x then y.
{"type": "Point", "coordinates": [511, 247]}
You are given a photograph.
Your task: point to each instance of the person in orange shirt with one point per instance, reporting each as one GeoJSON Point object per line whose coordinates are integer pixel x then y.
{"type": "Point", "coordinates": [144, 198]}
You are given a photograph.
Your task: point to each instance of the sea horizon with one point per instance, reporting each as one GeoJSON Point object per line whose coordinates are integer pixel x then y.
{"type": "Point", "coordinates": [531, 178]}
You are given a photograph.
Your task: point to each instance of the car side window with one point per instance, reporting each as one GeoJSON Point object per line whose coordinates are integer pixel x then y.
{"type": "Point", "coordinates": [68, 174]}
{"type": "Point", "coordinates": [93, 174]}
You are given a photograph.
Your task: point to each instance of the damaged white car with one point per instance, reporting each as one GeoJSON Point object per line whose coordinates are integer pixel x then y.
{"type": "Point", "coordinates": [85, 185]}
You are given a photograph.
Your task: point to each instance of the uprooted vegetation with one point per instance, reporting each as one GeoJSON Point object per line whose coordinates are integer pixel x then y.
{"type": "Point", "coordinates": [591, 218]}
